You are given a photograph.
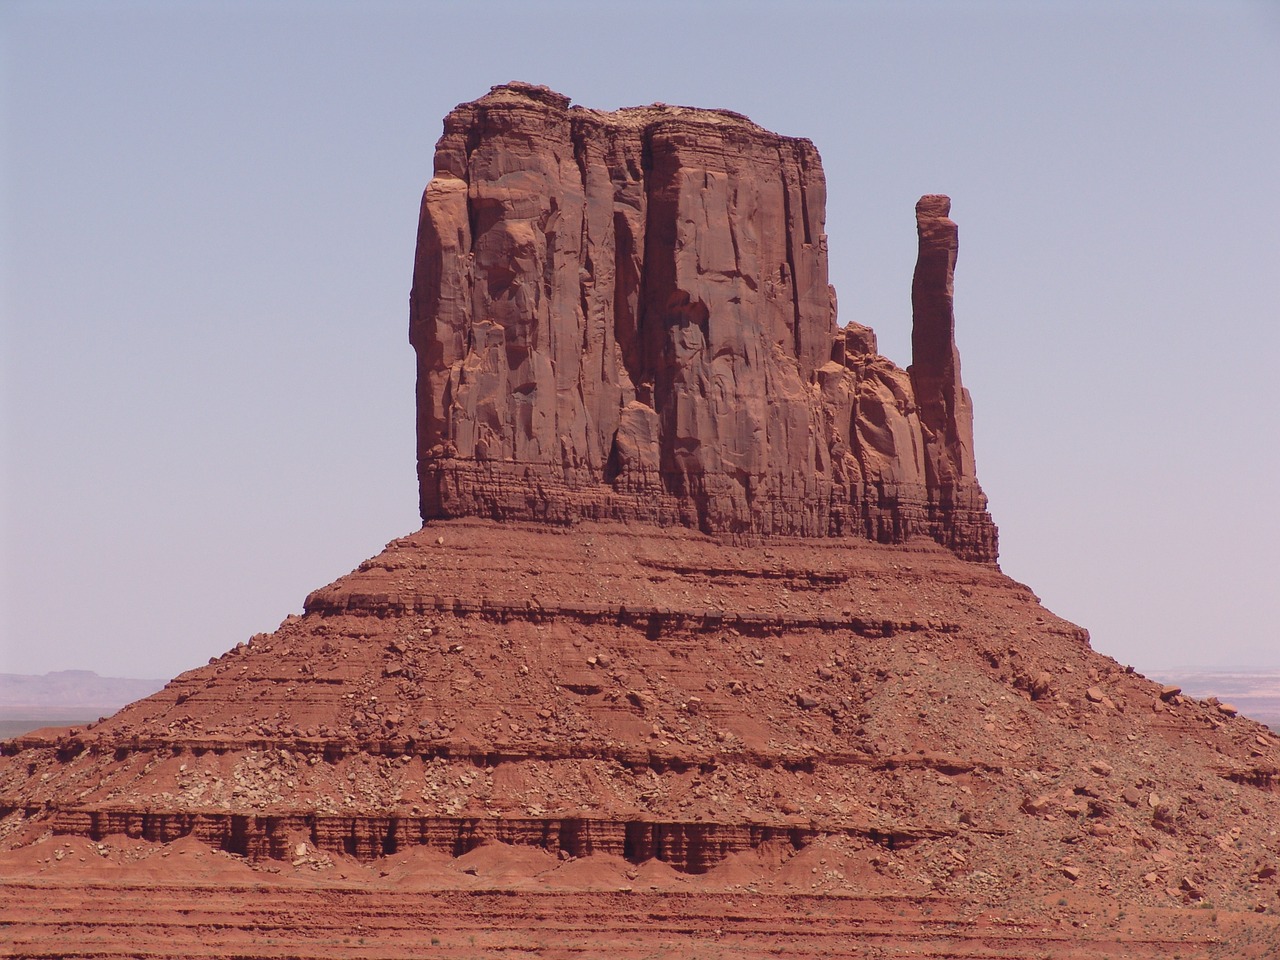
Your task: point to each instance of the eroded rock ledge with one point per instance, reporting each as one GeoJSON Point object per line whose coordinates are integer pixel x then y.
{"type": "Point", "coordinates": [626, 316]}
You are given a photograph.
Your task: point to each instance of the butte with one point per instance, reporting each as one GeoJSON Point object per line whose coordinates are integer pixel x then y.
{"type": "Point", "coordinates": [706, 595]}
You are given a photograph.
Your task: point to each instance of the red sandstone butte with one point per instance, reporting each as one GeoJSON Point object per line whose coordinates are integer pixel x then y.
{"type": "Point", "coordinates": [627, 316]}
{"type": "Point", "coordinates": [516, 737]}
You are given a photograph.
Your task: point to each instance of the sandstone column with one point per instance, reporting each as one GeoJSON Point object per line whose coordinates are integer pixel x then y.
{"type": "Point", "coordinates": [946, 413]}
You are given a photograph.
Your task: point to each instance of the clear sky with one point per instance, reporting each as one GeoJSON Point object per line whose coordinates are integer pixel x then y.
{"type": "Point", "coordinates": [208, 221]}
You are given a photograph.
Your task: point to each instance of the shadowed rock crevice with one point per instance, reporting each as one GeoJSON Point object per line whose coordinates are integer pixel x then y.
{"type": "Point", "coordinates": [627, 316]}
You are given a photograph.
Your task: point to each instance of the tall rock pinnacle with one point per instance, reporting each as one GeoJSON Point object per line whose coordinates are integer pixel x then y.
{"type": "Point", "coordinates": [946, 413]}
{"type": "Point", "coordinates": [627, 316]}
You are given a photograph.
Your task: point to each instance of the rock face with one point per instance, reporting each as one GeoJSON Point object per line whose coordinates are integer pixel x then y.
{"type": "Point", "coordinates": [627, 316]}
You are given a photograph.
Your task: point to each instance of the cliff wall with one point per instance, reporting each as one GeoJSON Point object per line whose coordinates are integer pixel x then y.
{"type": "Point", "coordinates": [627, 316]}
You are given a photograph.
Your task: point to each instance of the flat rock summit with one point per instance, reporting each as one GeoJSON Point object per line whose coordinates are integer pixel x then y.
{"type": "Point", "coordinates": [703, 642]}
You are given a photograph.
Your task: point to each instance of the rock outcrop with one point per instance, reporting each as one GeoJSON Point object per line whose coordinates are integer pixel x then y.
{"type": "Point", "coordinates": [627, 316]}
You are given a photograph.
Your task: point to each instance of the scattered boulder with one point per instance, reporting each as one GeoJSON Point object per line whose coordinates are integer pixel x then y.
{"type": "Point", "coordinates": [1164, 815]}
{"type": "Point", "coordinates": [1037, 806]}
{"type": "Point", "coordinates": [1041, 685]}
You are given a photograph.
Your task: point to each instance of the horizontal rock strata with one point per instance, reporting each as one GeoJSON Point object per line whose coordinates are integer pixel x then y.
{"type": "Point", "coordinates": [690, 846]}
{"type": "Point", "coordinates": [626, 316]}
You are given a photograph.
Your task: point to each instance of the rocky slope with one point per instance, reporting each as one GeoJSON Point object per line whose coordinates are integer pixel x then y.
{"type": "Point", "coordinates": [626, 316]}
{"type": "Point", "coordinates": [705, 599]}
{"type": "Point", "coordinates": [642, 693]}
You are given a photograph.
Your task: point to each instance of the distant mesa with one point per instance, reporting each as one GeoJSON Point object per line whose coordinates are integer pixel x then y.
{"type": "Point", "coordinates": [626, 316]}
{"type": "Point", "coordinates": [67, 694]}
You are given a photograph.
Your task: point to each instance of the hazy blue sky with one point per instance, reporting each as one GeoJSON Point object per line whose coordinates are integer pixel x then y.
{"type": "Point", "coordinates": [209, 213]}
